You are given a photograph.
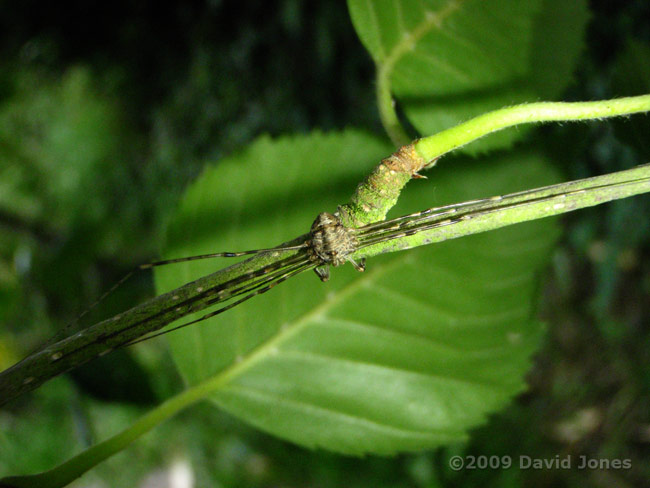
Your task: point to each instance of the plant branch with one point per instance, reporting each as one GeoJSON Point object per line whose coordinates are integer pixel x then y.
{"type": "Point", "coordinates": [99, 339]}
{"type": "Point", "coordinates": [386, 105]}
{"type": "Point", "coordinates": [432, 147]}
{"type": "Point", "coordinates": [72, 469]}
{"type": "Point", "coordinates": [380, 191]}
{"type": "Point", "coordinates": [494, 213]}
{"type": "Point", "coordinates": [386, 66]}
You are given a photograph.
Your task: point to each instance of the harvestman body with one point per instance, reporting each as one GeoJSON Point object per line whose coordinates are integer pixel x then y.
{"type": "Point", "coordinates": [331, 243]}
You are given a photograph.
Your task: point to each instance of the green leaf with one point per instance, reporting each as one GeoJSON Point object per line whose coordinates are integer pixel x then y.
{"type": "Point", "coordinates": [409, 354]}
{"type": "Point", "coordinates": [451, 60]}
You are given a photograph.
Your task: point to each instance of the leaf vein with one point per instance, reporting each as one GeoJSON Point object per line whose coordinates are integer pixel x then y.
{"type": "Point", "coordinates": [271, 397]}
{"type": "Point", "coordinates": [462, 351]}
{"type": "Point", "coordinates": [314, 357]}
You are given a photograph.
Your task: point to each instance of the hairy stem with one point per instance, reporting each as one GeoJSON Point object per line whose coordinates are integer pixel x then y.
{"type": "Point", "coordinates": [386, 66]}
{"type": "Point", "coordinates": [380, 191]}
{"type": "Point", "coordinates": [434, 146]}
{"type": "Point", "coordinates": [387, 112]}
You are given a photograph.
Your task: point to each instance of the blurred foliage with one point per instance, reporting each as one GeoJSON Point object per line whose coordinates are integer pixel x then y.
{"type": "Point", "coordinates": [130, 104]}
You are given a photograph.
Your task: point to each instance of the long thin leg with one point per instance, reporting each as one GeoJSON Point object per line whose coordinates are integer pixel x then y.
{"type": "Point", "coordinates": [220, 255]}
{"type": "Point", "coordinates": [323, 272]}
{"type": "Point", "coordinates": [359, 266]}
{"type": "Point", "coordinates": [259, 291]}
{"type": "Point", "coordinates": [181, 309]}
{"type": "Point", "coordinates": [181, 260]}
{"type": "Point", "coordinates": [65, 330]}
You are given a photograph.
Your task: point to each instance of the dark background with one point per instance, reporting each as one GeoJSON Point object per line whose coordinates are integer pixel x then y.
{"type": "Point", "coordinates": [155, 93]}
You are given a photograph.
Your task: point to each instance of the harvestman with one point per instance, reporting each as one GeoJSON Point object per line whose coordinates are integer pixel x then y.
{"type": "Point", "coordinates": [332, 243]}
{"type": "Point", "coordinates": [329, 242]}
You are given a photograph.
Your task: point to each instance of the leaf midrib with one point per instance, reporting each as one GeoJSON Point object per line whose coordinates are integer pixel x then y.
{"type": "Point", "coordinates": [430, 21]}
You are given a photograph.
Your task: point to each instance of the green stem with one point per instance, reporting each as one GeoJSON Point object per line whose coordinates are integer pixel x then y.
{"type": "Point", "coordinates": [143, 319]}
{"type": "Point", "coordinates": [386, 65]}
{"type": "Point", "coordinates": [78, 465]}
{"type": "Point", "coordinates": [497, 212]}
{"type": "Point", "coordinates": [434, 146]}
{"type": "Point", "coordinates": [386, 105]}
{"type": "Point", "coordinates": [379, 192]}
